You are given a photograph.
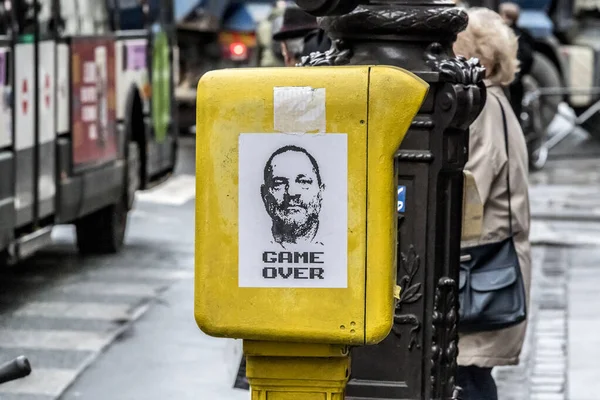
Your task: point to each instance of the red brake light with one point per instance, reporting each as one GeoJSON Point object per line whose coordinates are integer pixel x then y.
{"type": "Point", "coordinates": [238, 50]}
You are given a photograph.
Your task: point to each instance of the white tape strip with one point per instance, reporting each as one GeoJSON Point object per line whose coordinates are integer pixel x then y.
{"type": "Point", "coordinates": [299, 110]}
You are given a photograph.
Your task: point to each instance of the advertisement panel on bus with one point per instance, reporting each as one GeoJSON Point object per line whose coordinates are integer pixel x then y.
{"type": "Point", "coordinates": [94, 109]}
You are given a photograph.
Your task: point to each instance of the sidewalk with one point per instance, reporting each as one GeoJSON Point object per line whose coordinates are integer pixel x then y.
{"type": "Point", "coordinates": [542, 373]}
{"type": "Point", "coordinates": [163, 356]}
{"type": "Point", "coordinates": [560, 359]}
{"type": "Point", "coordinates": [584, 324]}
{"type": "Point", "coordinates": [166, 356]}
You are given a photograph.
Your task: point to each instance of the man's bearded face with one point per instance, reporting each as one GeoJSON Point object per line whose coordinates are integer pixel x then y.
{"type": "Point", "coordinates": [292, 193]}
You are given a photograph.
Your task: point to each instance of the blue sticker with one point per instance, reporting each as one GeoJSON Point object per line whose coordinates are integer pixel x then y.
{"type": "Point", "coordinates": [401, 199]}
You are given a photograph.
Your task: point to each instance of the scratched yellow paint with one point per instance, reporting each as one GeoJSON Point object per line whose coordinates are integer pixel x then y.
{"type": "Point", "coordinates": [374, 106]}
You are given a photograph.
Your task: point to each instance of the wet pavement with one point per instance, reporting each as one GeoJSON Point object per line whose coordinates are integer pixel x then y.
{"type": "Point", "coordinates": [560, 358]}
{"type": "Point", "coordinates": [121, 327]}
{"type": "Point", "coordinates": [64, 311]}
{"type": "Point", "coordinates": [164, 355]}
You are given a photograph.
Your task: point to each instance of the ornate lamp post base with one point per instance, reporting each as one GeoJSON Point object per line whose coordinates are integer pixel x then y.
{"type": "Point", "coordinates": [418, 359]}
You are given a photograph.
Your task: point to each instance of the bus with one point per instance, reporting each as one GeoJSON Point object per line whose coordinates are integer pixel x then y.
{"type": "Point", "coordinates": [87, 118]}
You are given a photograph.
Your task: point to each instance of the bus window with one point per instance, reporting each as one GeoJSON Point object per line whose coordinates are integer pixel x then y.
{"type": "Point", "coordinates": [5, 17]}
{"type": "Point", "coordinates": [69, 13]}
{"type": "Point", "coordinates": [138, 14]}
{"type": "Point", "coordinates": [45, 19]}
{"type": "Point", "coordinates": [94, 18]}
{"type": "Point", "coordinates": [25, 15]}
{"type": "Point", "coordinates": [84, 17]}
{"type": "Point", "coordinates": [167, 11]}
{"type": "Point", "coordinates": [131, 15]}
{"type": "Point", "coordinates": [154, 11]}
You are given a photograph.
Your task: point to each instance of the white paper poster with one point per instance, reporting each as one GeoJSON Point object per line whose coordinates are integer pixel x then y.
{"type": "Point", "coordinates": [293, 210]}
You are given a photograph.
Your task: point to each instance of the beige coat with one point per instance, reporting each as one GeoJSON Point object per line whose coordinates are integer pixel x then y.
{"type": "Point", "coordinates": [488, 164]}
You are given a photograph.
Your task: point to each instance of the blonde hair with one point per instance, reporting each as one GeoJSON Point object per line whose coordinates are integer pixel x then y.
{"type": "Point", "coordinates": [489, 39]}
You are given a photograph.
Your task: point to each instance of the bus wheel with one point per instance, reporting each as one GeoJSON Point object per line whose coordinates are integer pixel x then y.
{"type": "Point", "coordinates": [103, 232]}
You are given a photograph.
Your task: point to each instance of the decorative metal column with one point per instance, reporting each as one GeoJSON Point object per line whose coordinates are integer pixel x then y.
{"type": "Point", "coordinates": [418, 359]}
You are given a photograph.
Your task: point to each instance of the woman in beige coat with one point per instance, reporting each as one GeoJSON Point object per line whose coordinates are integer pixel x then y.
{"type": "Point", "coordinates": [495, 45]}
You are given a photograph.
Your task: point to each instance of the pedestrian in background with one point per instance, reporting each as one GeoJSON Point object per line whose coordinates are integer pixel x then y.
{"type": "Point", "coordinates": [511, 12]}
{"type": "Point", "coordinates": [300, 35]}
{"type": "Point", "coordinates": [500, 169]}
{"type": "Point", "coordinates": [270, 56]}
{"type": "Point", "coordinates": [316, 41]}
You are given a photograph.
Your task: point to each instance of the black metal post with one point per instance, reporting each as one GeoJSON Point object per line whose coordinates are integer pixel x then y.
{"type": "Point", "coordinates": [418, 359]}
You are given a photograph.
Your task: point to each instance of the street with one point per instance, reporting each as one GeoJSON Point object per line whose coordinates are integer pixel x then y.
{"type": "Point", "coordinates": [121, 327]}
{"type": "Point", "coordinates": [63, 311]}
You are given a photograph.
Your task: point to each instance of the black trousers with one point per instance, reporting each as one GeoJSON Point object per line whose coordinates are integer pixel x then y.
{"type": "Point", "coordinates": [477, 383]}
{"type": "Point", "coordinates": [516, 92]}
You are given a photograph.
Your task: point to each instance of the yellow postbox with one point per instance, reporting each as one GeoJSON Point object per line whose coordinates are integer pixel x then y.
{"type": "Point", "coordinates": [295, 209]}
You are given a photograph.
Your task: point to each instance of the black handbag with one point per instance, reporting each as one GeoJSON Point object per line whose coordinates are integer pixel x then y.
{"type": "Point", "coordinates": [491, 287]}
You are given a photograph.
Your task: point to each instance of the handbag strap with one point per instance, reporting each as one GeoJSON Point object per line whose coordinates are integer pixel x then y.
{"type": "Point", "coordinates": [504, 124]}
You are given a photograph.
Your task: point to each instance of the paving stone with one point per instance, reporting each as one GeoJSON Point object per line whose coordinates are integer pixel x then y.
{"type": "Point", "coordinates": [549, 360]}
{"type": "Point", "coordinates": [547, 379]}
{"type": "Point", "coordinates": [548, 388]}
{"type": "Point", "coordinates": [545, 368]}
{"type": "Point", "coordinates": [549, 333]}
{"type": "Point", "coordinates": [547, 396]}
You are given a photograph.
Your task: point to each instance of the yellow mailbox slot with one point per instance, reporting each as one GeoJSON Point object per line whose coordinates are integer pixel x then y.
{"type": "Point", "coordinates": [295, 201]}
